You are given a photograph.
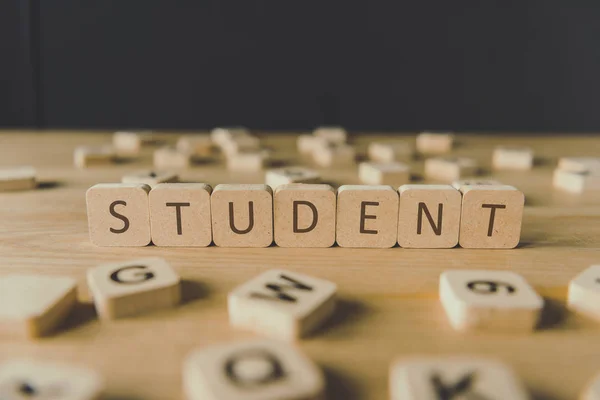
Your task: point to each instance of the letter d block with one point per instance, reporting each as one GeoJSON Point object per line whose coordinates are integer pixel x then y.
{"type": "Point", "coordinates": [305, 215]}
{"type": "Point", "coordinates": [491, 217]}
{"type": "Point", "coordinates": [118, 214]}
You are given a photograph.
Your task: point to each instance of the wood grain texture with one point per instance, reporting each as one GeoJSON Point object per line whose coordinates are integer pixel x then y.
{"type": "Point", "coordinates": [388, 297]}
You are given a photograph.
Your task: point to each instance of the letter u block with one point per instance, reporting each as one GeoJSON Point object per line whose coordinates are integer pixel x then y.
{"type": "Point", "coordinates": [242, 215]}
{"type": "Point", "coordinates": [118, 214]}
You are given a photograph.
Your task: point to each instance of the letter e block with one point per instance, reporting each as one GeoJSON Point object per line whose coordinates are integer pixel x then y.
{"type": "Point", "coordinates": [118, 214]}
{"type": "Point", "coordinates": [584, 292]}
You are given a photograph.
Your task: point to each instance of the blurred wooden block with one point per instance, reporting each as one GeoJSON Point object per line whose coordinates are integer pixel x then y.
{"type": "Point", "coordinates": [434, 142]}
{"type": "Point", "coordinates": [284, 176]}
{"type": "Point", "coordinates": [584, 292]}
{"type": "Point", "coordinates": [22, 379]}
{"type": "Point", "coordinates": [391, 150]}
{"type": "Point", "coordinates": [449, 169]}
{"type": "Point", "coordinates": [475, 181]}
{"type": "Point", "coordinates": [391, 173]}
{"type": "Point", "coordinates": [517, 158]}
{"type": "Point", "coordinates": [118, 214]}
{"type": "Point", "coordinates": [34, 305]}
{"type": "Point", "coordinates": [491, 217]}
{"type": "Point", "coordinates": [449, 378]}
{"type": "Point", "coordinates": [335, 155]}
{"type": "Point", "coordinates": [17, 178]}
{"type": "Point", "coordinates": [591, 165]}
{"type": "Point", "coordinates": [305, 215]}
{"type": "Point", "coordinates": [150, 177]}
{"type": "Point", "coordinates": [282, 304]}
{"type": "Point", "coordinates": [576, 182]}
{"type": "Point", "coordinates": [251, 161]}
{"type": "Point", "coordinates": [93, 156]}
{"type": "Point", "coordinates": [429, 216]}
{"type": "Point", "coordinates": [198, 145]}
{"type": "Point", "coordinates": [169, 157]}
{"type": "Point", "coordinates": [592, 389]}
{"type": "Point", "coordinates": [333, 134]}
{"type": "Point", "coordinates": [493, 301]}
{"type": "Point", "coordinates": [240, 144]}
{"type": "Point", "coordinates": [180, 214]}
{"type": "Point", "coordinates": [130, 143]}
{"type": "Point", "coordinates": [242, 215]}
{"type": "Point", "coordinates": [306, 144]}
{"type": "Point", "coordinates": [221, 135]}
{"type": "Point", "coordinates": [367, 216]}
{"type": "Point", "coordinates": [135, 287]}
{"type": "Point", "coordinates": [252, 370]}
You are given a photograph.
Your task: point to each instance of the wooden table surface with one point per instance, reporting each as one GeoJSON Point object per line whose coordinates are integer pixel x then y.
{"type": "Point", "coordinates": [388, 298]}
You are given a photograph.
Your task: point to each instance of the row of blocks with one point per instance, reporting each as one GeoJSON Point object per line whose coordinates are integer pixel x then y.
{"type": "Point", "coordinates": [305, 215]}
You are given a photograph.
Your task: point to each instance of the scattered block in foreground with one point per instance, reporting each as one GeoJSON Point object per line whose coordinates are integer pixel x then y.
{"type": "Point", "coordinates": [131, 143]}
{"type": "Point", "coordinates": [242, 215]}
{"type": "Point", "coordinates": [284, 176]}
{"type": "Point", "coordinates": [420, 378]}
{"type": "Point", "coordinates": [34, 305]}
{"type": "Point", "coordinates": [584, 292]}
{"type": "Point", "coordinates": [252, 370]}
{"type": "Point", "coordinates": [135, 287]}
{"type": "Point", "coordinates": [449, 169]}
{"type": "Point", "coordinates": [180, 214]}
{"type": "Point", "coordinates": [335, 155]}
{"type": "Point", "coordinates": [332, 134]}
{"type": "Point", "coordinates": [22, 379]}
{"type": "Point", "coordinates": [150, 177]}
{"type": "Point", "coordinates": [367, 216]}
{"type": "Point", "coordinates": [392, 173]}
{"type": "Point", "coordinates": [282, 304]}
{"type": "Point", "coordinates": [491, 217]}
{"type": "Point", "coordinates": [118, 214]}
{"type": "Point", "coordinates": [199, 145]}
{"type": "Point", "coordinates": [390, 151]}
{"type": "Point", "coordinates": [576, 182]}
{"type": "Point", "coordinates": [169, 157]}
{"type": "Point", "coordinates": [434, 142]}
{"type": "Point", "coordinates": [93, 156]}
{"type": "Point", "coordinates": [492, 301]}
{"type": "Point", "coordinates": [517, 158]}
{"type": "Point", "coordinates": [17, 178]}
{"type": "Point", "coordinates": [304, 215]}
{"type": "Point", "coordinates": [429, 216]}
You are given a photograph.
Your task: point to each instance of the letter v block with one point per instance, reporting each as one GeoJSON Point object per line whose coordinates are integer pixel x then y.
{"type": "Point", "coordinates": [242, 215]}
{"type": "Point", "coordinates": [304, 215]}
{"type": "Point", "coordinates": [118, 214]}
{"type": "Point", "coordinates": [429, 216]}
{"type": "Point", "coordinates": [281, 304]}
{"type": "Point", "coordinates": [420, 378]}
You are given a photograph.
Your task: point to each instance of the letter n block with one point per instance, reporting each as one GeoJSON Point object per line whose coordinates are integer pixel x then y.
{"type": "Point", "coordinates": [367, 216]}
{"type": "Point", "coordinates": [118, 214]}
{"type": "Point", "coordinates": [429, 216]}
{"type": "Point", "coordinates": [304, 215]}
{"type": "Point", "coordinates": [491, 217]}
{"type": "Point", "coordinates": [242, 215]}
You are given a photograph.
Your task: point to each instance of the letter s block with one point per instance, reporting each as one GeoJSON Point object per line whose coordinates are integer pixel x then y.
{"type": "Point", "coordinates": [118, 214]}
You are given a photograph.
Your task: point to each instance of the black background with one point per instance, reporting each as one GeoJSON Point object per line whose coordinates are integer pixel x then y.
{"type": "Point", "coordinates": [377, 65]}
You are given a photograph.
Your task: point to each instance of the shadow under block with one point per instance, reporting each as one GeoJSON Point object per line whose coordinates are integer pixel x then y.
{"type": "Point", "coordinates": [92, 156]}
{"type": "Point", "coordinates": [390, 151]}
{"type": "Point", "coordinates": [135, 287]}
{"type": "Point", "coordinates": [450, 169]}
{"type": "Point", "coordinates": [367, 216]}
{"type": "Point", "coordinates": [389, 173]}
{"type": "Point", "coordinates": [434, 142]}
{"type": "Point", "coordinates": [169, 157]}
{"type": "Point", "coordinates": [150, 177]}
{"type": "Point", "coordinates": [429, 216]}
{"type": "Point", "coordinates": [283, 176]}
{"type": "Point", "coordinates": [282, 304]}
{"type": "Point", "coordinates": [252, 370]}
{"type": "Point", "coordinates": [33, 305]}
{"type": "Point", "coordinates": [180, 214]}
{"type": "Point", "coordinates": [492, 301]}
{"type": "Point", "coordinates": [118, 214]}
{"type": "Point", "coordinates": [584, 293]}
{"type": "Point", "coordinates": [304, 215]}
{"type": "Point", "coordinates": [22, 379]}
{"type": "Point", "coordinates": [199, 145]}
{"type": "Point", "coordinates": [242, 215]}
{"type": "Point", "coordinates": [516, 158]}
{"type": "Point", "coordinates": [491, 217]}
{"type": "Point", "coordinates": [17, 178]}
{"type": "Point", "coordinates": [448, 378]}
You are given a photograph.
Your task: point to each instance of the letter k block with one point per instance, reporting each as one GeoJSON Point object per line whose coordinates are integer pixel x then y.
{"type": "Point", "coordinates": [281, 304]}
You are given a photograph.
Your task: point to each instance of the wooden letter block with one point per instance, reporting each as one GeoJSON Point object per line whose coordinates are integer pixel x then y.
{"type": "Point", "coordinates": [17, 178]}
{"type": "Point", "coordinates": [491, 217]}
{"type": "Point", "coordinates": [29, 379]}
{"type": "Point", "coordinates": [493, 301]}
{"type": "Point", "coordinates": [429, 216]}
{"type": "Point", "coordinates": [449, 378]}
{"type": "Point", "coordinates": [575, 181]}
{"type": "Point", "coordinates": [150, 178]}
{"type": "Point", "coordinates": [180, 214]}
{"type": "Point", "coordinates": [252, 370]}
{"type": "Point", "coordinates": [284, 176]}
{"type": "Point", "coordinates": [518, 158]}
{"type": "Point", "coordinates": [169, 157]}
{"type": "Point", "coordinates": [390, 151]}
{"type": "Point", "coordinates": [367, 216]}
{"type": "Point", "coordinates": [118, 214]}
{"type": "Point", "coordinates": [199, 145]}
{"type": "Point", "coordinates": [449, 169]}
{"type": "Point", "coordinates": [305, 215]}
{"type": "Point", "coordinates": [333, 134]}
{"type": "Point", "coordinates": [282, 304]}
{"type": "Point", "coordinates": [131, 288]}
{"type": "Point", "coordinates": [130, 143]}
{"type": "Point", "coordinates": [475, 181]}
{"type": "Point", "coordinates": [220, 135]}
{"type": "Point", "coordinates": [335, 155]}
{"type": "Point", "coordinates": [434, 143]}
{"type": "Point", "coordinates": [392, 173]}
{"type": "Point", "coordinates": [307, 143]}
{"type": "Point", "coordinates": [242, 215]}
{"type": "Point", "coordinates": [239, 144]}
{"type": "Point", "coordinates": [580, 164]}
{"type": "Point", "coordinates": [33, 305]}
{"type": "Point", "coordinates": [92, 156]}
{"type": "Point", "coordinates": [251, 161]}
{"type": "Point", "coordinates": [584, 292]}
